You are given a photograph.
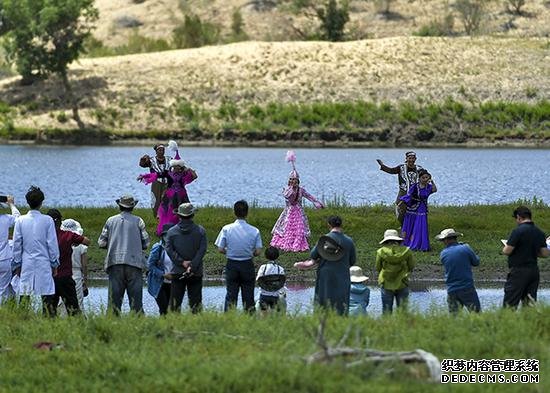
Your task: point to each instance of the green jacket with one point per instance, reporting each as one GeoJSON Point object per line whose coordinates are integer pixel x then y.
{"type": "Point", "coordinates": [394, 264]}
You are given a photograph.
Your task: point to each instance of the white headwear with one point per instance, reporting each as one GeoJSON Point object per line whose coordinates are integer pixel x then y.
{"type": "Point", "coordinates": [177, 161]}
{"type": "Point", "coordinates": [71, 225]}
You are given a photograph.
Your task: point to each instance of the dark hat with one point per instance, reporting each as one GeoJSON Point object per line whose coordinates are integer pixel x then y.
{"type": "Point", "coordinates": [185, 210]}
{"type": "Point", "coordinates": [329, 249]}
{"type": "Point", "coordinates": [127, 201]}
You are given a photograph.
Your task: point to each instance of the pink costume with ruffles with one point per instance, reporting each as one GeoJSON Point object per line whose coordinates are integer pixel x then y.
{"type": "Point", "coordinates": [174, 195]}
{"type": "Point", "coordinates": [291, 231]}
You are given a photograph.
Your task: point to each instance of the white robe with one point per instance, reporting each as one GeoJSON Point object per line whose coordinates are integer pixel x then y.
{"type": "Point", "coordinates": [35, 248]}
{"type": "Point", "coordinates": [6, 252]}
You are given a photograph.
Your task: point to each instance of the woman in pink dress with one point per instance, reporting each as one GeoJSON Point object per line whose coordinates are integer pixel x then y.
{"type": "Point", "coordinates": [291, 231]}
{"type": "Point", "coordinates": [179, 175]}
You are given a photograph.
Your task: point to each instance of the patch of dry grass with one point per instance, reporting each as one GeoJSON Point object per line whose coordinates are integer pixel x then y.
{"type": "Point", "coordinates": [159, 18]}
{"type": "Point", "coordinates": [137, 92]}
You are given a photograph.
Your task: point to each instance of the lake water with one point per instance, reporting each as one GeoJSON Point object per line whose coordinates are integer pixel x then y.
{"type": "Point", "coordinates": [96, 176]}
{"type": "Point", "coordinates": [300, 299]}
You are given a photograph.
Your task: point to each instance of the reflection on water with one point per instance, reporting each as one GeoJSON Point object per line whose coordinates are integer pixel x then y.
{"type": "Point", "coordinates": [300, 299]}
{"type": "Point", "coordinates": [258, 174]}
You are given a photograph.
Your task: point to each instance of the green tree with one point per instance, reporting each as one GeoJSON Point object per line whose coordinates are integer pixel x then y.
{"type": "Point", "coordinates": [333, 20]}
{"type": "Point", "coordinates": [45, 36]}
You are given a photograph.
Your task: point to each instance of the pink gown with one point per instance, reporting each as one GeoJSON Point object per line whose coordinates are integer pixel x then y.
{"type": "Point", "coordinates": [291, 231]}
{"type": "Point", "coordinates": [174, 195]}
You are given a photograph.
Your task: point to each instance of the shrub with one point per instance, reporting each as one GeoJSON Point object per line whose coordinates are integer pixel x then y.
{"type": "Point", "coordinates": [62, 117]}
{"type": "Point", "coordinates": [437, 28]}
{"type": "Point", "coordinates": [471, 14]}
{"type": "Point", "coordinates": [237, 26]}
{"type": "Point", "coordinates": [6, 118]}
{"type": "Point", "coordinates": [185, 109]}
{"type": "Point", "coordinates": [193, 33]}
{"type": "Point", "coordinates": [514, 6]}
{"type": "Point", "coordinates": [333, 20]}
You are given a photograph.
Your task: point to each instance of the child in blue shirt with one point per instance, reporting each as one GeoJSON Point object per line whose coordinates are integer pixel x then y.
{"type": "Point", "coordinates": [359, 292]}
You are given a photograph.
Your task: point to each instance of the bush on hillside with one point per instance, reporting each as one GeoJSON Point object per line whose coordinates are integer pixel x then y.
{"type": "Point", "coordinates": [237, 26]}
{"type": "Point", "coordinates": [194, 33]}
{"type": "Point", "coordinates": [437, 28]}
{"type": "Point", "coordinates": [471, 13]}
{"type": "Point", "coordinates": [333, 20]}
{"type": "Point", "coordinates": [515, 6]}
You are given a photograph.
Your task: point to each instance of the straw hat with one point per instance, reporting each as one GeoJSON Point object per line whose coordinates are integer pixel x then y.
{"type": "Point", "coordinates": [391, 234]}
{"type": "Point", "coordinates": [185, 210]}
{"type": "Point", "coordinates": [356, 274]}
{"type": "Point", "coordinates": [449, 232]}
{"type": "Point", "coordinates": [127, 201]}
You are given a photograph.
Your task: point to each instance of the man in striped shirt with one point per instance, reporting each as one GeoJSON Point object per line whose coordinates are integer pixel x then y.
{"type": "Point", "coordinates": [158, 164]}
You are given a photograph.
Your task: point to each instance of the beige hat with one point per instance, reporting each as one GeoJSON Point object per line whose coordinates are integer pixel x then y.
{"type": "Point", "coordinates": [127, 201]}
{"type": "Point", "coordinates": [185, 210]}
{"type": "Point", "coordinates": [356, 274]}
{"type": "Point", "coordinates": [449, 232]}
{"type": "Point", "coordinates": [391, 234]}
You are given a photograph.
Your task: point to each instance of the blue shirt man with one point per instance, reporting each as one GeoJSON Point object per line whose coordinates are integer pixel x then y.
{"type": "Point", "coordinates": [240, 242]}
{"type": "Point", "coordinates": [458, 259]}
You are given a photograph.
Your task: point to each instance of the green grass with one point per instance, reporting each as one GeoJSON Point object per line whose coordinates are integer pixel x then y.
{"type": "Point", "coordinates": [215, 352]}
{"type": "Point", "coordinates": [377, 124]}
{"type": "Point", "coordinates": [483, 226]}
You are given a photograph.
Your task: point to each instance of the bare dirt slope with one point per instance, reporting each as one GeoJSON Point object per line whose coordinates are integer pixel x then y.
{"type": "Point", "coordinates": [138, 91]}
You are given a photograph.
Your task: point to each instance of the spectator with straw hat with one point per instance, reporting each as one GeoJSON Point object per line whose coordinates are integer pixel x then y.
{"type": "Point", "coordinates": [458, 259]}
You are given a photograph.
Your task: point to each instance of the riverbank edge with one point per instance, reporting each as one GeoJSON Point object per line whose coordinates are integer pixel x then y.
{"type": "Point", "coordinates": [424, 277]}
{"type": "Point", "coordinates": [472, 144]}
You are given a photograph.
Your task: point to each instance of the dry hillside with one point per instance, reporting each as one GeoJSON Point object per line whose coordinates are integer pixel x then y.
{"type": "Point", "coordinates": [157, 18]}
{"type": "Point", "coordinates": [137, 92]}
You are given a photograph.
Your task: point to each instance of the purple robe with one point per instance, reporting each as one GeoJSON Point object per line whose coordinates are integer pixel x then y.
{"type": "Point", "coordinates": [415, 224]}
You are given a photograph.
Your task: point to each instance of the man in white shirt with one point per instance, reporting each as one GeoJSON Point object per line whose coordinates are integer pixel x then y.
{"type": "Point", "coordinates": [6, 253]}
{"type": "Point", "coordinates": [240, 242]}
{"type": "Point", "coordinates": [35, 250]}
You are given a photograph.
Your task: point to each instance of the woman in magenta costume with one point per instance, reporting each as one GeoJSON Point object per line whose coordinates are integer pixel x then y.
{"type": "Point", "coordinates": [291, 230]}
{"type": "Point", "coordinates": [179, 175]}
{"type": "Point", "coordinates": [415, 223]}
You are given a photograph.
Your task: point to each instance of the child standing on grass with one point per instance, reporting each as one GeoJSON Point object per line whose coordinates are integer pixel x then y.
{"type": "Point", "coordinates": [271, 280]}
{"type": "Point", "coordinates": [359, 292]}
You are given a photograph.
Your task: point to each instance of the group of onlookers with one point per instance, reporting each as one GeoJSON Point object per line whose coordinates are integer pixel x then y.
{"type": "Point", "coordinates": [48, 260]}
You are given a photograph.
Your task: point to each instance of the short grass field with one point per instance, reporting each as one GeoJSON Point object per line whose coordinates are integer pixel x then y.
{"type": "Point", "coordinates": [235, 352]}
{"type": "Point", "coordinates": [483, 227]}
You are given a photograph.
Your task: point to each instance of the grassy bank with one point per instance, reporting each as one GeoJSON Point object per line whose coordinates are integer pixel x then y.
{"type": "Point", "coordinates": [483, 226]}
{"type": "Point", "coordinates": [216, 352]}
{"type": "Point", "coordinates": [352, 123]}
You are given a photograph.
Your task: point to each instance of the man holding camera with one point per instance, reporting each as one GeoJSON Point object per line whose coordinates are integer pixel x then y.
{"type": "Point", "coordinates": [186, 245]}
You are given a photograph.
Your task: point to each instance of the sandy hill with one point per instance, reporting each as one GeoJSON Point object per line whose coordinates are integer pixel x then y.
{"type": "Point", "coordinates": [138, 92]}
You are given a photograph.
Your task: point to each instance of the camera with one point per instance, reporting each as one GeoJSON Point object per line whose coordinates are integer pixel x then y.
{"type": "Point", "coordinates": [3, 198]}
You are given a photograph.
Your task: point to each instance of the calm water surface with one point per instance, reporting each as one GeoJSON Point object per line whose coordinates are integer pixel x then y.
{"type": "Point", "coordinates": [300, 299]}
{"type": "Point", "coordinates": [96, 176]}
